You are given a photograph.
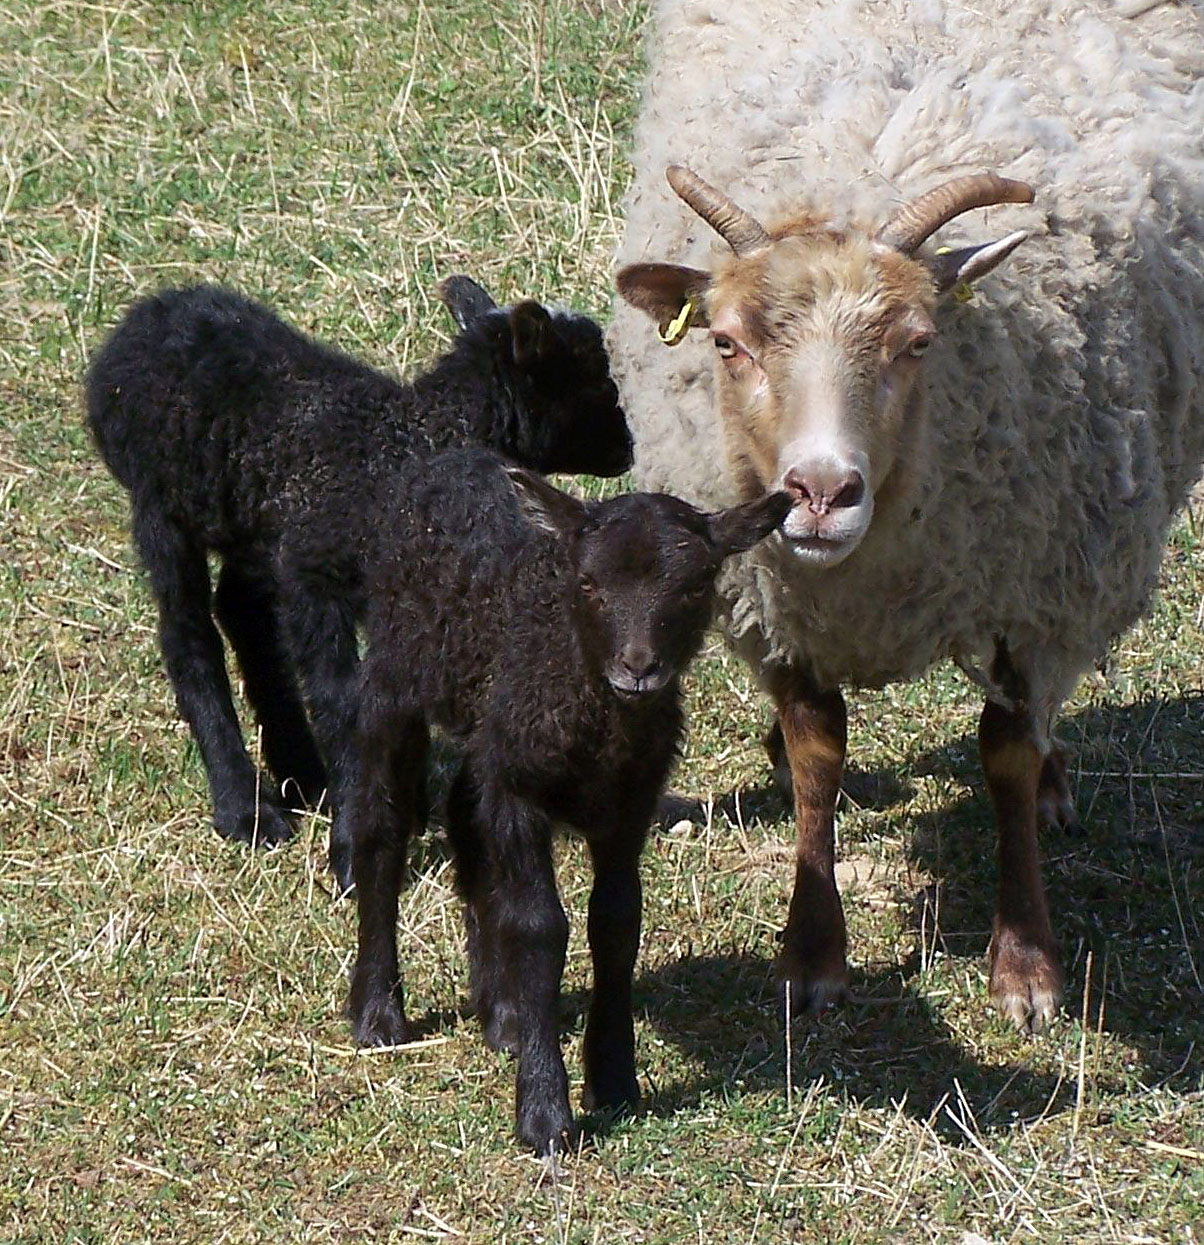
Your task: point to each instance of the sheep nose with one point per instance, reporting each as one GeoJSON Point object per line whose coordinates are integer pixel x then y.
{"type": "Point", "coordinates": [822, 491]}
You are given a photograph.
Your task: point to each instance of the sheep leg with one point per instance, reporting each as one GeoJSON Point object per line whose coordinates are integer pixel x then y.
{"type": "Point", "coordinates": [1026, 981]}
{"type": "Point", "coordinates": [1055, 804]}
{"type": "Point", "coordinates": [195, 663]}
{"type": "Point", "coordinates": [245, 605]}
{"type": "Point", "coordinates": [814, 733]}
{"type": "Point", "coordinates": [380, 816]}
{"type": "Point", "coordinates": [615, 905]}
{"type": "Point", "coordinates": [775, 749]}
{"type": "Point", "coordinates": [494, 1009]}
{"type": "Point", "coordinates": [321, 637]}
{"type": "Point", "coordinates": [532, 938]}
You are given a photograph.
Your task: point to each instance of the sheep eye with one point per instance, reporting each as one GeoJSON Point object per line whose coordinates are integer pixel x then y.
{"type": "Point", "coordinates": [726, 347]}
{"type": "Point", "coordinates": [918, 348]}
{"type": "Point", "coordinates": [588, 585]}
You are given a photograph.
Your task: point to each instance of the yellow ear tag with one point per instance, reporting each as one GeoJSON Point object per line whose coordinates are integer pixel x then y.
{"type": "Point", "coordinates": [676, 329]}
{"type": "Point", "coordinates": [961, 292]}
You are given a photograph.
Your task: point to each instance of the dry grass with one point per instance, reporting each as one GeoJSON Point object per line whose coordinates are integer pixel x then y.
{"type": "Point", "coordinates": [173, 1060]}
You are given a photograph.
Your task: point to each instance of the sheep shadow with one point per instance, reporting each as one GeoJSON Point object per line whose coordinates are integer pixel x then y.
{"type": "Point", "coordinates": [1125, 891]}
{"type": "Point", "coordinates": [868, 788]}
{"type": "Point", "coordinates": [888, 1049]}
{"type": "Point", "coordinates": [1139, 786]}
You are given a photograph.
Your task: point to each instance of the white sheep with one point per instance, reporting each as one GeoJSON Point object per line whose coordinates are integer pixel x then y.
{"type": "Point", "coordinates": [1003, 503]}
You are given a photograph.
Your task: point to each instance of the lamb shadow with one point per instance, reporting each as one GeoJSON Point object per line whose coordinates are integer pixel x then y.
{"type": "Point", "coordinates": [723, 1014]}
{"type": "Point", "coordinates": [1142, 806]}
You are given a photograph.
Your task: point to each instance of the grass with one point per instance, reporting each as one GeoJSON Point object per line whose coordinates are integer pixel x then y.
{"type": "Point", "coordinates": [174, 1064]}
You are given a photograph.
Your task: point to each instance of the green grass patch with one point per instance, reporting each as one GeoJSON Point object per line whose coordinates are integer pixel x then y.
{"type": "Point", "coordinates": [174, 1063]}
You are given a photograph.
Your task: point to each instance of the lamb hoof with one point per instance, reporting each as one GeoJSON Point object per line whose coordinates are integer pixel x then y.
{"type": "Point", "coordinates": [340, 866]}
{"type": "Point", "coordinates": [547, 1128]}
{"type": "Point", "coordinates": [379, 1022]}
{"type": "Point", "coordinates": [610, 1080]}
{"type": "Point", "coordinates": [1026, 982]}
{"type": "Point", "coordinates": [611, 1092]}
{"type": "Point", "coordinates": [265, 826]}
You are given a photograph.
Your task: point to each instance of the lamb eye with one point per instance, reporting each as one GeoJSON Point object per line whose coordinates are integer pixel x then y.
{"type": "Point", "coordinates": [918, 348]}
{"type": "Point", "coordinates": [726, 347]}
{"type": "Point", "coordinates": [588, 585]}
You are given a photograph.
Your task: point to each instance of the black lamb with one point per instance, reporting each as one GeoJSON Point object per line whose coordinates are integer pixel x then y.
{"type": "Point", "coordinates": [237, 435]}
{"type": "Point", "coordinates": [548, 636]}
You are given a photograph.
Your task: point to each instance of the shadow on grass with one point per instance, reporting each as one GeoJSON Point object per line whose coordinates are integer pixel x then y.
{"type": "Point", "coordinates": [1128, 888]}
{"type": "Point", "coordinates": [889, 1049]}
{"type": "Point", "coordinates": [873, 790]}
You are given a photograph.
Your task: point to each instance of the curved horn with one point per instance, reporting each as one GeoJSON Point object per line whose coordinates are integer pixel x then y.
{"type": "Point", "coordinates": [918, 220]}
{"type": "Point", "coordinates": [741, 231]}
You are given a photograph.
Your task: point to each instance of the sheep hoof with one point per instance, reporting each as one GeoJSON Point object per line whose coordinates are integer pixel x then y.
{"type": "Point", "coordinates": [817, 994]}
{"type": "Point", "coordinates": [263, 826]}
{"type": "Point", "coordinates": [1056, 815]}
{"type": "Point", "coordinates": [775, 748]}
{"type": "Point", "coordinates": [1055, 804]}
{"type": "Point", "coordinates": [815, 983]}
{"type": "Point", "coordinates": [1026, 982]}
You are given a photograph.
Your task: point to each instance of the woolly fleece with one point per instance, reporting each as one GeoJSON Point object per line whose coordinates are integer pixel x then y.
{"type": "Point", "coordinates": [1065, 402]}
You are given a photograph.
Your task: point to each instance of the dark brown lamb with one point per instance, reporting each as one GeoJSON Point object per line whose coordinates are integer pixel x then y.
{"type": "Point", "coordinates": [548, 637]}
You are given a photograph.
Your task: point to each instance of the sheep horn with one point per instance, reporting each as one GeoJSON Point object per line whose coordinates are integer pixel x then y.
{"type": "Point", "coordinates": [918, 220]}
{"type": "Point", "coordinates": [741, 231]}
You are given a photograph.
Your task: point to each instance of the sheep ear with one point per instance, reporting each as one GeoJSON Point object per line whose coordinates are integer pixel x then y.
{"type": "Point", "coordinates": [464, 298]}
{"type": "Point", "coordinates": [951, 269]}
{"type": "Point", "coordinates": [543, 506]}
{"type": "Point", "coordinates": [530, 327]}
{"type": "Point", "coordinates": [670, 293]}
{"type": "Point", "coordinates": [739, 528]}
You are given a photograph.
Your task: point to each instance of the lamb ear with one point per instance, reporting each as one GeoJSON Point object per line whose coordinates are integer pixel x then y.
{"type": "Point", "coordinates": [530, 327]}
{"type": "Point", "coordinates": [662, 291]}
{"type": "Point", "coordinates": [968, 263]}
{"type": "Point", "coordinates": [543, 506]}
{"type": "Point", "coordinates": [464, 298]}
{"type": "Point", "coordinates": [739, 528]}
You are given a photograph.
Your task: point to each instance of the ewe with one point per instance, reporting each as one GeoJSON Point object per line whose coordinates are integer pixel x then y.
{"type": "Point", "coordinates": [986, 480]}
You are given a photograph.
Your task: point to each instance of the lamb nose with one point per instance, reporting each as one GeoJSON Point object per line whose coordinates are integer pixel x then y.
{"type": "Point", "coordinates": [824, 491]}
{"type": "Point", "coordinates": [639, 663]}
